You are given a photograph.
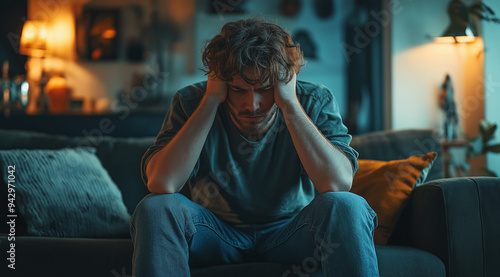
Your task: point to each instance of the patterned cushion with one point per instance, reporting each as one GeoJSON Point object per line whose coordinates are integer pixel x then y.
{"type": "Point", "coordinates": [64, 193]}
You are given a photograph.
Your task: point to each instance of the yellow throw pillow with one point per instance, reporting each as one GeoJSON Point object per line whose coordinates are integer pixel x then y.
{"type": "Point", "coordinates": [386, 187]}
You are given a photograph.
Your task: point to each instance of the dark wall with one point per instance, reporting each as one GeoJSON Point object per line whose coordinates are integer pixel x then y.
{"type": "Point", "coordinates": [13, 13]}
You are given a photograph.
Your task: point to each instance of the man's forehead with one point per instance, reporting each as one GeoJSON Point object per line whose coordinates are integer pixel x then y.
{"type": "Point", "coordinates": [238, 81]}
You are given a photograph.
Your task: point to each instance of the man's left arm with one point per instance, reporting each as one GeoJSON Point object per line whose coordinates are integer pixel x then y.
{"type": "Point", "coordinates": [326, 165]}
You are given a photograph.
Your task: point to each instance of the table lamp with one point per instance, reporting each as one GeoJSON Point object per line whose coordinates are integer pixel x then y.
{"type": "Point", "coordinates": [34, 44]}
{"type": "Point", "coordinates": [460, 30]}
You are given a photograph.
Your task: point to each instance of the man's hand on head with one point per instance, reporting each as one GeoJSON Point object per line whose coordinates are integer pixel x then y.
{"type": "Point", "coordinates": [216, 87]}
{"type": "Point", "coordinates": [284, 93]}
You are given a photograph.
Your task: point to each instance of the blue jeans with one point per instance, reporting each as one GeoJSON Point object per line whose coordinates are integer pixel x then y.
{"type": "Point", "coordinates": [335, 232]}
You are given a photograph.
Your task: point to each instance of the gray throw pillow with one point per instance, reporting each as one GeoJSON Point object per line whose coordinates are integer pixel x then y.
{"type": "Point", "coordinates": [64, 193]}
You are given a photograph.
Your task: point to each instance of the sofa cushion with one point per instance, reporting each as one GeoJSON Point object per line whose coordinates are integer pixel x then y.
{"type": "Point", "coordinates": [64, 193]}
{"type": "Point", "coordinates": [395, 145]}
{"type": "Point", "coordinates": [396, 261]}
{"type": "Point", "coordinates": [386, 186]}
{"type": "Point", "coordinates": [120, 156]}
{"type": "Point", "coordinates": [36, 256]}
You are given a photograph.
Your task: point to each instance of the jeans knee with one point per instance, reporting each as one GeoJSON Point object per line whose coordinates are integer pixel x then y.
{"type": "Point", "coordinates": [153, 204]}
{"type": "Point", "coordinates": [345, 204]}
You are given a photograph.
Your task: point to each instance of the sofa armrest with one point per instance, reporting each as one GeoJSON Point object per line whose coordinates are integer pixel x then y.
{"type": "Point", "coordinates": [458, 220]}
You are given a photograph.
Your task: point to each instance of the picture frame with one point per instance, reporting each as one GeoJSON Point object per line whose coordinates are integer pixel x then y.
{"type": "Point", "coordinates": [98, 34]}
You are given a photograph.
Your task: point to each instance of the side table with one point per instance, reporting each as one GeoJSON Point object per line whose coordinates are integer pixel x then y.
{"type": "Point", "coordinates": [455, 162]}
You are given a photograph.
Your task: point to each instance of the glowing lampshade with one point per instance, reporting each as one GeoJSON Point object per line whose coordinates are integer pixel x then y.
{"type": "Point", "coordinates": [34, 39]}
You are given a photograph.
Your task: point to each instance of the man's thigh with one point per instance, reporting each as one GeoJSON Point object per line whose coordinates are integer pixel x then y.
{"type": "Point", "coordinates": [216, 242]}
{"type": "Point", "coordinates": [294, 243]}
{"type": "Point", "coordinates": [333, 230]}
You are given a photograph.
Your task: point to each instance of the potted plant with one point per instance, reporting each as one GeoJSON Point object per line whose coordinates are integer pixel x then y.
{"type": "Point", "coordinates": [482, 144]}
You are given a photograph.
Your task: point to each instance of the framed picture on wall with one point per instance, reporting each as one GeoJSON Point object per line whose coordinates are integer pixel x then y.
{"type": "Point", "coordinates": [98, 34]}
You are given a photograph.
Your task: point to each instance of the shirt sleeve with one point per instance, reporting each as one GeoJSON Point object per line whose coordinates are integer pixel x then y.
{"type": "Point", "coordinates": [329, 122]}
{"type": "Point", "coordinates": [179, 112]}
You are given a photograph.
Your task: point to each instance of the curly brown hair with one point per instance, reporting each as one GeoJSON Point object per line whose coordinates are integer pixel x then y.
{"type": "Point", "coordinates": [253, 43]}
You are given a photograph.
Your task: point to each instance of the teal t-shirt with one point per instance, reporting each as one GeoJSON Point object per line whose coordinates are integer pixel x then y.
{"type": "Point", "coordinates": [252, 182]}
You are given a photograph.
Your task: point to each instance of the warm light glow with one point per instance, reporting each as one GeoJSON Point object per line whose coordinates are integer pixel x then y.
{"type": "Point", "coordinates": [61, 41]}
{"type": "Point", "coordinates": [458, 39]}
{"type": "Point", "coordinates": [465, 39]}
{"type": "Point", "coordinates": [444, 40]}
{"type": "Point", "coordinates": [418, 95]}
{"type": "Point", "coordinates": [59, 94]}
{"type": "Point", "coordinates": [109, 33]}
{"type": "Point", "coordinates": [55, 82]}
{"type": "Point", "coordinates": [34, 39]}
{"type": "Point", "coordinates": [6, 96]}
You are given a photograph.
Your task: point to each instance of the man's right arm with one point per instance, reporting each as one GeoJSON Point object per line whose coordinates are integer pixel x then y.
{"type": "Point", "coordinates": [169, 169]}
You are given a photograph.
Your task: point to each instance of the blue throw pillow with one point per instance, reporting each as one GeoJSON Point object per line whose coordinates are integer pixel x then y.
{"type": "Point", "coordinates": [64, 193]}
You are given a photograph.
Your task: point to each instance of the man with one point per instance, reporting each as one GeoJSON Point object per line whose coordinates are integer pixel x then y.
{"type": "Point", "coordinates": [268, 165]}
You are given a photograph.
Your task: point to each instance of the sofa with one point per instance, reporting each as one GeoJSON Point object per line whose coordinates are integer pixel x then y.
{"type": "Point", "coordinates": [447, 227]}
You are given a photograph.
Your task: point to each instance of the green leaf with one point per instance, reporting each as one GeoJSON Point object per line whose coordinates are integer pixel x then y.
{"type": "Point", "coordinates": [491, 131]}
{"type": "Point", "coordinates": [488, 9]}
{"type": "Point", "coordinates": [487, 130]}
{"type": "Point", "coordinates": [493, 148]}
{"type": "Point", "coordinates": [476, 146]}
